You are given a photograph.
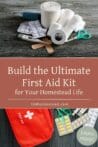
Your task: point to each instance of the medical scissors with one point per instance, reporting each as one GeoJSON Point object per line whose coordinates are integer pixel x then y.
{"type": "Point", "coordinates": [83, 34]}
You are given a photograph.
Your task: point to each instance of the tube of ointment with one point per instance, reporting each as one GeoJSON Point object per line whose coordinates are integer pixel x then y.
{"type": "Point", "coordinates": [82, 111]}
{"type": "Point", "coordinates": [76, 111]}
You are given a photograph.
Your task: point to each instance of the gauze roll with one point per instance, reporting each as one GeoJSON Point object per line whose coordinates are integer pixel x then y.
{"type": "Point", "coordinates": [80, 26]}
{"type": "Point", "coordinates": [71, 26]}
{"type": "Point", "coordinates": [53, 27]}
{"type": "Point", "coordinates": [64, 34]}
{"type": "Point", "coordinates": [50, 13]}
{"type": "Point", "coordinates": [66, 16]}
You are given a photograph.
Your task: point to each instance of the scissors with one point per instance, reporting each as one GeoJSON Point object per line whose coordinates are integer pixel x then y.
{"type": "Point", "coordinates": [83, 34]}
{"type": "Point", "coordinates": [61, 112]}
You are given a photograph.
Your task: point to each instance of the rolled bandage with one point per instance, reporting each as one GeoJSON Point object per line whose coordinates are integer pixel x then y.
{"type": "Point", "coordinates": [66, 16]}
{"type": "Point", "coordinates": [80, 26]}
{"type": "Point", "coordinates": [65, 33]}
{"type": "Point", "coordinates": [50, 13]}
{"type": "Point", "coordinates": [53, 27]}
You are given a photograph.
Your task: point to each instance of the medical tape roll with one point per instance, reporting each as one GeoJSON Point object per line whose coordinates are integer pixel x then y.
{"type": "Point", "coordinates": [66, 16]}
{"type": "Point", "coordinates": [60, 36]}
{"type": "Point", "coordinates": [50, 13]}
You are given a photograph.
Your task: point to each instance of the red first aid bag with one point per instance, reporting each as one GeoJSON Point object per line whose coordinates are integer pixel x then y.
{"type": "Point", "coordinates": [31, 126]}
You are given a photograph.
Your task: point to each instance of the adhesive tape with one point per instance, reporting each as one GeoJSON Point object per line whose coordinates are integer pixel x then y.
{"type": "Point", "coordinates": [58, 37]}
{"type": "Point", "coordinates": [50, 13]}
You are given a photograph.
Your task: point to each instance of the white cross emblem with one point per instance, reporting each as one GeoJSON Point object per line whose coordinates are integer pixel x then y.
{"type": "Point", "coordinates": [29, 115]}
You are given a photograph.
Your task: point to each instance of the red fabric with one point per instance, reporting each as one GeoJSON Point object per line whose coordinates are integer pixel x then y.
{"type": "Point", "coordinates": [31, 130]}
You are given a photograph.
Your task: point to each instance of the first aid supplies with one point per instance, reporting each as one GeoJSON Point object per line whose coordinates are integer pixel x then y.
{"type": "Point", "coordinates": [66, 16]}
{"type": "Point", "coordinates": [50, 13]}
{"type": "Point", "coordinates": [31, 16]}
{"type": "Point", "coordinates": [31, 39]}
{"type": "Point", "coordinates": [33, 28]}
{"type": "Point", "coordinates": [60, 36]}
{"type": "Point", "coordinates": [64, 125]}
{"type": "Point", "coordinates": [93, 114]}
{"type": "Point", "coordinates": [46, 45]}
{"type": "Point", "coordinates": [31, 126]}
{"type": "Point", "coordinates": [80, 26]}
{"type": "Point", "coordinates": [76, 111]}
{"type": "Point", "coordinates": [83, 34]}
{"type": "Point", "coordinates": [82, 111]}
{"type": "Point", "coordinates": [80, 121]}
{"type": "Point", "coordinates": [63, 111]}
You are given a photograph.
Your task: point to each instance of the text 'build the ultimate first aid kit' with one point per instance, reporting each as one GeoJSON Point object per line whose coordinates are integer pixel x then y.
{"type": "Point", "coordinates": [52, 25]}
